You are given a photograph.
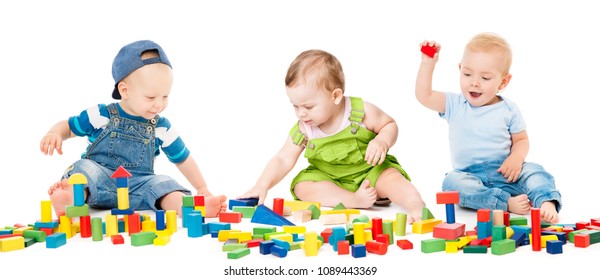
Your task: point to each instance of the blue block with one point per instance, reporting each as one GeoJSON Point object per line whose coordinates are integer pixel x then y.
{"type": "Point", "coordinates": [283, 244]}
{"type": "Point", "coordinates": [56, 240]}
{"type": "Point", "coordinates": [122, 182]}
{"type": "Point", "coordinates": [525, 229]}
{"type": "Point", "coordinates": [78, 197]}
{"type": "Point", "coordinates": [337, 234]}
{"type": "Point", "coordinates": [120, 225]}
{"type": "Point", "coordinates": [359, 250]}
{"type": "Point", "coordinates": [184, 212]}
{"type": "Point", "coordinates": [194, 227]}
{"type": "Point", "coordinates": [160, 219]}
{"type": "Point", "coordinates": [243, 202]}
{"type": "Point", "coordinates": [217, 226]}
{"type": "Point", "coordinates": [278, 251]}
{"type": "Point", "coordinates": [484, 230]}
{"type": "Point", "coordinates": [554, 247]}
{"type": "Point", "coordinates": [264, 215]}
{"type": "Point", "coordinates": [117, 211]}
{"type": "Point", "coordinates": [264, 247]}
{"type": "Point", "coordinates": [39, 225]}
{"type": "Point", "coordinates": [450, 214]}
{"type": "Point", "coordinates": [7, 231]}
{"type": "Point", "coordinates": [519, 238]}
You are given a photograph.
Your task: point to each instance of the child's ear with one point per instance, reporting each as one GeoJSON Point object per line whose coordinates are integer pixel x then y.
{"type": "Point", "coordinates": [122, 87]}
{"type": "Point", "coordinates": [337, 95]}
{"type": "Point", "coordinates": [505, 81]}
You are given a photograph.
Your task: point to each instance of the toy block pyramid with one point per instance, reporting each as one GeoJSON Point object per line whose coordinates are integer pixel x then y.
{"type": "Point", "coordinates": [121, 175]}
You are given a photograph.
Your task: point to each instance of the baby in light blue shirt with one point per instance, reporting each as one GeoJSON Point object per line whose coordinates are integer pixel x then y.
{"type": "Point", "coordinates": [488, 140]}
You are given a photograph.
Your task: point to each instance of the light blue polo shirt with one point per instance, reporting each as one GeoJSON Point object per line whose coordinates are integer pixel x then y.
{"type": "Point", "coordinates": [479, 134]}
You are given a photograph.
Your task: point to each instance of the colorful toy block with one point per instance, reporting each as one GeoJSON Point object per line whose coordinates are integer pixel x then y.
{"type": "Point", "coordinates": [265, 247]}
{"type": "Point", "coordinates": [117, 239]}
{"type": "Point", "coordinates": [238, 253]}
{"type": "Point", "coordinates": [264, 215]}
{"type": "Point", "coordinates": [302, 216]}
{"type": "Point", "coordinates": [433, 245]}
{"type": "Point", "coordinates": [247, 211]}
{"type": "Point", "coordinates": [536, 230]}
{"type": "Point", "coordinates": [475, 249]}
{"type": "Point", "coordinates": [230, 217]}
{"type": "Point", "coordinates": [142, 238]}
{"type": "Point", "coordinates": [278, 206]}
{"type": "Point", "coordinates": [502, 247]}
{"type": "Point", "coordinates": [376, 247]}
{"type": "Point", "coordinates": [358, 250]}
{"type": "Point", "coordinates": [46, 209]}
{"type": "Point", "coordinates": [56, 240]}
{"type": "Point", "coordinates": [404, 244]}
{"type": "Point", "coordinates": [425, 226]}
{"type": "Point", "coordinates": [243, 202]}
{"type": "Point", "coordinates": [554, 247]}
{"type": "Point", "coordinates": [12, 243]}
{"type": "Point", "coordinates": [428, 50]}
{"type": "Point", "coordinates": [449, 231]}
{"type": "Point", "coordinates": [400, 224]}
{"type": "Point", "coordinates": [343, 247]}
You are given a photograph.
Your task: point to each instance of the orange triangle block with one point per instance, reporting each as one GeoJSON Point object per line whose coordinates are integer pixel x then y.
{"type": "Point", "coordinates": [121, 172]}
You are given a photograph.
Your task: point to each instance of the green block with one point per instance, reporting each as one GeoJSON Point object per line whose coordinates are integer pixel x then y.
{"type": "Point", "coordinates": [263, 230]}
{"type": "Point", "coordinates": [227, 247]}
{"type": "Point", "coordinates": [361, 219]}
{"type": "Point", "coordinates": [518, 221]}
{"type": "Point", "coordinates": [339, 206]}
{"type": "Point", "coordinates": [97, 234]}
{"type": "Point", "coordinates": [546, 224]}
{"type": "Point", "coordinates": [267, 236]}
{"type": "Point", "coordinates": [236, 254]}
{"type": "Point", "coordinates": [188, 201]}
{"type": "Point", "coordinates": [247, 211]}
{"type": "Point", "coordinates": [29, 241]}
{"type": "Point", "coordinates": [295, 246]}
{"type": "Point", "coordinates": [400, 224]}
{"type": "Point", "coordinates": [498, 232]}
{"type": "Point", "coordinates": [316, 212]}
{"type": "Point", "coordinates": [594, 236]}
{"type": "Point", "coordinates": [40, 236]}
{"type": "Point", "coordinates": [475, 249]}
{"type": "Point", "coordinates": [388, 228]}
{"type": "Point", "coordinates": [503, 247]}
{"type": "Point", "coordinates": [77, 211]}
{"type": "Point", "coordinates": [143, 238]}
{"type": "Point", "coordinates": [571, 235]}
{"type": "Point", "coordinates": [426, 214]}
{"type": "Point", "coordinates": [433, 245]}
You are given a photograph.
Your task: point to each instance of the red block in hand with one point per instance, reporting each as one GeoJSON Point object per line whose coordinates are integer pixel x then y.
{"type": "Point", "coordinates": [428, 50]}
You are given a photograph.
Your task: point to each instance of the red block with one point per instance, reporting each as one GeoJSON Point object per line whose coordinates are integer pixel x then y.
{"type": "Point", "coordinates": [404, 244]}
{"type": "Point", "coordinates": [343, 247]}
{"type": "Point", "coordinates": [376, 226]}
{"type": "Point", "coordinates": [581, 225]}
{"type": "Point", "coordinates": [483, 215]}
{"type": "Point", "coordinates": [449, 231]}
{"type": "Point", "coordinates": [581, 240]}
{"type": "Point", "coordinates": [117, 239]}
{"type": "Point", "coordinates": [48, 231]}
{"type": "Point", "coordinates": [253, 243]}
{"type": "Point", "coordinates": [230, 217]}
{"type": "Point", "coordinates": [325, 234]}
{"type": "Point", "coordinates": [85, 226]}
{"type": "Point", "coordinates": [133, 221]}
{"type": "Point", "coordinates": [595, 222]}
{"type": "Point", "coordinates": [536, 230]}
{"type": "Point", "coordinates": [278, 206]}
{"type": "Point", "coordinates": [199, 200]}
{"type": "Point", "coordinates": [507, 219]}
{"type": "Point", "coordinates": [376, 247]}
{"type": "Point", "coordinates": [428, 50]}
{"type": "Point", "coordinates": [383, 238]}
{"type": "Point", "coordinates": [447, 197]}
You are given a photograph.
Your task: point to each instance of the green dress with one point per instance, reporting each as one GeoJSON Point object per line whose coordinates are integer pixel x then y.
{"type": "Point", "coordinates": [340, 158]}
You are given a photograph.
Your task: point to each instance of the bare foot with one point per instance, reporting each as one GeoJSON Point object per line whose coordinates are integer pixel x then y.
{"type": "Point", "coordinates": [214, 205]}
{"type": "Point", "coordinates": [364, 197]}
{"type": "Point", "coordinates": [548, 212]}
{"type": "Point", "coordinates": [519, 204]}
{"type": "Point", "coordinates": [414, 215]}
{"type": "Point", "coordinates": [61, 195]}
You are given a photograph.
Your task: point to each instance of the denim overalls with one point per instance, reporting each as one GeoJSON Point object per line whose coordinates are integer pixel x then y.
{"type": "Point", "coordinates": [129, 143]}
{"type": "Point", "coordinates": [340, 158]}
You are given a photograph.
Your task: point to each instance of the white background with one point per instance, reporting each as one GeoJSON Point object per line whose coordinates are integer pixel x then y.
{"type": "Point", "coordinates": [229, 105]}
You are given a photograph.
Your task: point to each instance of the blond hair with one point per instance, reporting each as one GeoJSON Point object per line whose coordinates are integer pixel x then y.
{"type": "Point", "coordinates": [319, 67]}
{"type": "Point", "coordinates": [488, 41]}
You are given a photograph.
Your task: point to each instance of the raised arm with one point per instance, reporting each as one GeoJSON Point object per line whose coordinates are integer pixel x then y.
{"type": "Point", "coordinates": [431, 99]}
{"type": "Point", "coordinates": [277, 168]}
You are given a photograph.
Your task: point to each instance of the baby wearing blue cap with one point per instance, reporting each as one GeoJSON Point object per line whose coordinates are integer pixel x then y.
{"type": "Point", "coordinates": [130, 133]}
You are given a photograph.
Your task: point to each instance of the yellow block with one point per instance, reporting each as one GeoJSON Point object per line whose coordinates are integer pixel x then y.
{"type": "Point", "coordinates": [284, 236]}
{"type": "Point", "coordinates": [241, 236]}
{"type": "Point", "coordinates": [296, 205]}
{"type": "Point", "coordinates": [546, 238]}
{"type": "Point", "coordinates": [77, 179]}
{"type": "Point", "coordinates": [12, 244]}
{"type": "Point", "coordinates": [368, 235]}
{"type": "Point", "coordinates": [165, 232]}
{"type": "Point", "coordinates": [311, 245]}
{"type": "Point", "coordinates": [202, 210]}
{"type": "Point", "coordinates": [452, 246]}
{"type": "Point", "coordinates": [65, 226]}
{"type": "Point", "coordinates": [463, 241]}
{"type": "Point", "coordinates": [172, 220]}
{"type": "Point", "coordinates": [123, 198]}
{"type": "Point", "coordinates": [224, 234]}
{"type": "Point", "coordinates": [556, 228]}
{"type": "Point", "coordinates": [359, 233]}
{"type": "Point", "coordinates": [112, 226]}
{"type": "Point", "coordinates": [425, 226]}
{"type": "Point", "coordinates": [348, 212]}
{"type": "Point", "coordinates": [509, 232]}
{"type": "Point", "coordinates": [161, 240]}
{"type": "Point", "coordinates": [20, 230]}
{"type": "Point", "coordinates": [46, 206]}
{"type": "Point", "coordinates": [148, 225]}
{"type": "Point", "coordinates": [294, 229]}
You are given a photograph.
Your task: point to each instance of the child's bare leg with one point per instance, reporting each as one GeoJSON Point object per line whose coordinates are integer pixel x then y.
{"type": "Point", "coordinates": [61, 195]}
{"type": "Point", "coordinates": [548, 212]}
{"type": "Point", "coordinates": [212, 204]}
{"type": "Point", "coordinates": [330, 194]}
{"type": "Point", "coordinates": [519, 204]}
{"type": "Point", "coordinates": [393, 185]}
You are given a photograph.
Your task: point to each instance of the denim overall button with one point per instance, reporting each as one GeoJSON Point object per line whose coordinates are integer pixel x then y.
{"type": "Point", "coordinates": [116, 120]}
{"type": "Point", "coordinates": [153, 121]}
{"type": "Point", "coordinates": [114, 111]}
{"type": "Point", "coordinates": [149, 128]}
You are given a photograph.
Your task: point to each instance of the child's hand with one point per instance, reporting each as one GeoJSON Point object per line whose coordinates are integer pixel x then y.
{"type": "Point", "coordinates": [511, 169]}
{"type": "Point", "coordinates": [376, 152]}
{"type": "Point", "coordinates": [51, 142]}
{"type": "Point", "coordinates": [430, 50]}
{"type": "Point", "coordinates": [256, 192]}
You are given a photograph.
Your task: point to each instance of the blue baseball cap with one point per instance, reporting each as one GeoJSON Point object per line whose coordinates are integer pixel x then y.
{"type": "Point", "coordinates": [129, 59]}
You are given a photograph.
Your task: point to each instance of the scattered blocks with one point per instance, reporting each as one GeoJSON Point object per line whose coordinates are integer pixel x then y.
{"type": "Point", "coordinates": [56, 240]}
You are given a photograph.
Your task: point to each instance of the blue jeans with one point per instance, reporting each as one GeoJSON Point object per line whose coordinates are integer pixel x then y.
{"type": "Point", "coordinates": [482, 187]}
